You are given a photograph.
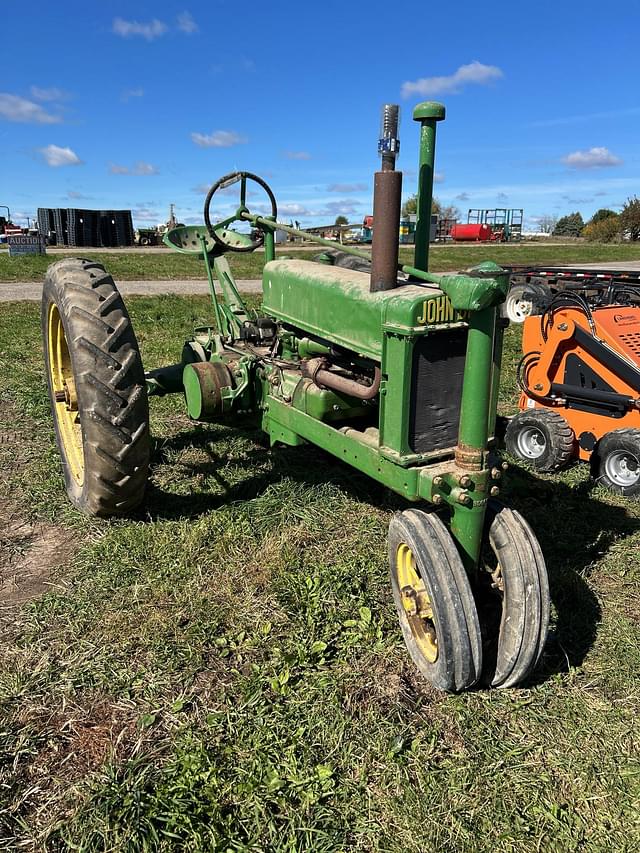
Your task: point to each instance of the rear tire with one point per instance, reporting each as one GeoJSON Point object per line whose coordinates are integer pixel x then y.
{"type": "Point", "coordinates": [96, 387]}
{"type": "Point", "coordinates": [541, 437]}
{"type": "Point", "coordinates": [616, 462]}
{"type": "Point", "coordinates": [434, 601]}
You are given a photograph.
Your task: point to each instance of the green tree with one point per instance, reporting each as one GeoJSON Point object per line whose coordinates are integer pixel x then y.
{"type": "Point", "coordinates": [411, 206]}
{"type": "Point", "coordinates": [606, 230]}
{"type": "Point", "coordinates": [630, 218]}
{"type": "Point", "coordinates": [341, 220]}
{"type": "Point", "coordinates": [601, 215]}
{"type": "Point", "coordinates": [569, 226]}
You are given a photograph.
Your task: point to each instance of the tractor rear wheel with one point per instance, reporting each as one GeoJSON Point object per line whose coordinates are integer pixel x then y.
{"type": "Point", "coordinates": [96, 387]}
{"type": "Point", "coordinates": [514, 588]}
{"type": "Point", "coordinates": [541, 437]}
{"type": "Point", "coordinates": [434, 601]}
{"type": "Point", "coordinates": [616, 462]}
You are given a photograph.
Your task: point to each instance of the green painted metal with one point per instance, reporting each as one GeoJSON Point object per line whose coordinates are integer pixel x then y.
{"type": "Point", "coordinates": [321, 310]}
{"type": "Point", "coordinates": [268, 224]}
{"type": "Point", "coordinates": [428, 114]}
{"type": "Point", "coordinates": [335, 305]}
{"type": "Point", "coordinates": [269, 243]}
{"type": "Point", "coordinates": [350, 446]}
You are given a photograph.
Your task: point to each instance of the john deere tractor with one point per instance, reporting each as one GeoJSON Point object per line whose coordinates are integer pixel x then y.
{"type": "Point", "coordinates": [390, 368]}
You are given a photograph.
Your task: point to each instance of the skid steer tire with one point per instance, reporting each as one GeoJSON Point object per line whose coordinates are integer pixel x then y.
{"type": "Point", "coordinates": [615, 463]}
{"type": "Point", "coordinates": [541, 437]}
{"type": "Point", "coordinates": [96, 388]}
{"type": "Point", "coordinates": [526, 300]}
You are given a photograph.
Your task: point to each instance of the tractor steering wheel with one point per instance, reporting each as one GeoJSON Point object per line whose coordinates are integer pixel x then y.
{"type": "Point", "coordinates": [219, 230]}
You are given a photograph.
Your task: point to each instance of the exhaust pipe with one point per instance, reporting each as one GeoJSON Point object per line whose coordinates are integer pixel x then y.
{"type": "Point", "coordinates": [387, 194]}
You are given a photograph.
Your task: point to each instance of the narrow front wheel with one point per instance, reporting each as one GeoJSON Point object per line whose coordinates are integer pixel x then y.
{"type": "Point", "coordinates": [434, 601]}
{"type": "Point", "coordinates": [515, 590]}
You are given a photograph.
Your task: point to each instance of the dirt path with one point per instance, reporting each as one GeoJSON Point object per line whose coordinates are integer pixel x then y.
{"type": "Point", "coordinates": [31, 291]}
{"type": "Point", "coordinates": [31, 551]}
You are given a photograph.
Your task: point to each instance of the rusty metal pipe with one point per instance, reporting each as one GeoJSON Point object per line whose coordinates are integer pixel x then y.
{"type": "Point", "coordinates": [317, 370]}
{"type": "Point", "coordinates": [387, 196]}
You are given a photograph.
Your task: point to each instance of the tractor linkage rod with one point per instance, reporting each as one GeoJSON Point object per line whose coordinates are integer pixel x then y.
{"type": "Point", "coordinates": [270, 225]}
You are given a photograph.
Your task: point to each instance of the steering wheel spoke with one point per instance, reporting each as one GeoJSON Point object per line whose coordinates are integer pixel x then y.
{"type": "Point", "coordinates": [220, 230]}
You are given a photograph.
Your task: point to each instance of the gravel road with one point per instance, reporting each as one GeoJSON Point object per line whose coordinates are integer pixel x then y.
{"type": "Point", "coordinates": [31, 291]}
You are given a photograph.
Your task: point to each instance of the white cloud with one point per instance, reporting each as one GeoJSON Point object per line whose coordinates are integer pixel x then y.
{"type": "Point", "coordinates": [77, 195]}
{"type": "Point", "coordinates": [343, 206]}
{"type": "Point", "coordinates": [594, 158]}
{"type": "Point", "coordinates": [201, 189]}
{"type": "Point", "coordinates": [297, 155]}
{"type": "Point", "coordinates": [132, 93]}
{"type": "Point", "coordinates": [52, 94]}
{"type": "Point", "coordinates": [347, 188]}
{"type": "Point", "coordinates": [139, 168]}
{"type": "Point", "coordinates": [474, 73]}
{"type": "Point", "coordinates": [438, 178]}
{"type": "Point", "coordinates": [186, 24]}
{"type": "Point", "coordinates": [291, 210]}
{"type": "Point", "coordinates": [14, 108]}
{"type": "Point", "coordinates": [55, 156]}
{"type": "Point", "coordinates": [146, 214]}
{"type": "Point", "coordinates": [462, 197]}
{"type": "Point", "coordinates": [149, 31]}
{"type": "Point", "coordinates": [218, 139]}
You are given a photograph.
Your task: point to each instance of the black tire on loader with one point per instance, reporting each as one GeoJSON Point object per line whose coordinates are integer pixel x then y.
{"type": "Point", "coordinates": [525, 300]}
{"type": "Point", "coordinates": [615, 462]}
{"type": "Point", "coordinates": [96, 387]}
{"type": "Point", "coordinates": [541, 437]}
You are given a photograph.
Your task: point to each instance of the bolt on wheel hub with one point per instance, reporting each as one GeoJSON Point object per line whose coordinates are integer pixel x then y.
{"type": "Point", "coordinates": [531, 443]}
{"type": "Point", "coordinates": [622, 468]}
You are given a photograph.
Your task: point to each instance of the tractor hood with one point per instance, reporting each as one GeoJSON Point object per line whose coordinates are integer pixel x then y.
{"type": "Point", "coordinates": [335, 304]}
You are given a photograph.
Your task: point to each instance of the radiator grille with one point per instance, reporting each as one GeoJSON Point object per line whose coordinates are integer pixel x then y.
{"type": "Point", "coordinates": [436, 390]}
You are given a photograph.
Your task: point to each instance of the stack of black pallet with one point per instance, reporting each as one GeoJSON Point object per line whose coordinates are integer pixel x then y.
{"type": "Point", "coordinates": [76, 227]}
{"type": "Point", "coordinates": [46, 222]}
{"type": "Point", "coordinates": [82, 227]}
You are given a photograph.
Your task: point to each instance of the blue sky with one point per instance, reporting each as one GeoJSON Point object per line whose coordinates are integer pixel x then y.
{"type": "Point", "coordinates": [137, 105]}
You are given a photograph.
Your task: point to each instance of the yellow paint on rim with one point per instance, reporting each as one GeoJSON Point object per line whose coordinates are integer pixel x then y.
{"type": "Point", "coordinates": [63, 383]}
{"type": "Point", "coordinates": [416, 603]}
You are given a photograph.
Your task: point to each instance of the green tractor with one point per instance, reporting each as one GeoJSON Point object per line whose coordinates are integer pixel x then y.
{"type": "Point", "coordinates": [389, 368]}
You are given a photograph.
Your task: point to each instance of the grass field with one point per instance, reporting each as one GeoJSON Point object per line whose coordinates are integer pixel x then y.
{"type": "Point", "coordinates": [225, 671]}
{"type": "Point", "coordinates": [171, 265]}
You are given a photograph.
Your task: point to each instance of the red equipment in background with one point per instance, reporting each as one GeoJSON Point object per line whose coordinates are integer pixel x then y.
{"type": "Point", "coordinates": [475, 232]}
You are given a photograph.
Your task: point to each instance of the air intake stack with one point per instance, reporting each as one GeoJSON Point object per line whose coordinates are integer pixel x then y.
{"type": "Point", "coordinates": [387, 193]}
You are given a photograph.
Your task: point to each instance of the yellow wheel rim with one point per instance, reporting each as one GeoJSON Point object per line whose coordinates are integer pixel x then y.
{"type": "Point", "coordinates": [65, 401]}
{"type": "Point", "coordinates": [416, 603]}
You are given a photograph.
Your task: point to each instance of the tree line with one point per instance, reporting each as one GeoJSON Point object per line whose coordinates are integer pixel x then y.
{"type": "Point", "coordinates": [605, 226]}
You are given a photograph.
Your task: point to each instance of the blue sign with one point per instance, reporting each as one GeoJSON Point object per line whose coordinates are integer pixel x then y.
{"type": "Point", "coordinates": [25, 244]}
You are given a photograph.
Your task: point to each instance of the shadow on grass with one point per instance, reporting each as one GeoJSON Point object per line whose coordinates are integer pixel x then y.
{"type": "Point", "coordinates": [574, 528]}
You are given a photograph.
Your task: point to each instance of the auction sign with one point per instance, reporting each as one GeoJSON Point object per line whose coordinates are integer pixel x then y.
{"type": "Point", "coordinates": [24, 244]}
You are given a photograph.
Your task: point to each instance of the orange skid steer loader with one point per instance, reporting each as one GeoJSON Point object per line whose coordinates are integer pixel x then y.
{"type": "Point", "coordinates": [580, 383]}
